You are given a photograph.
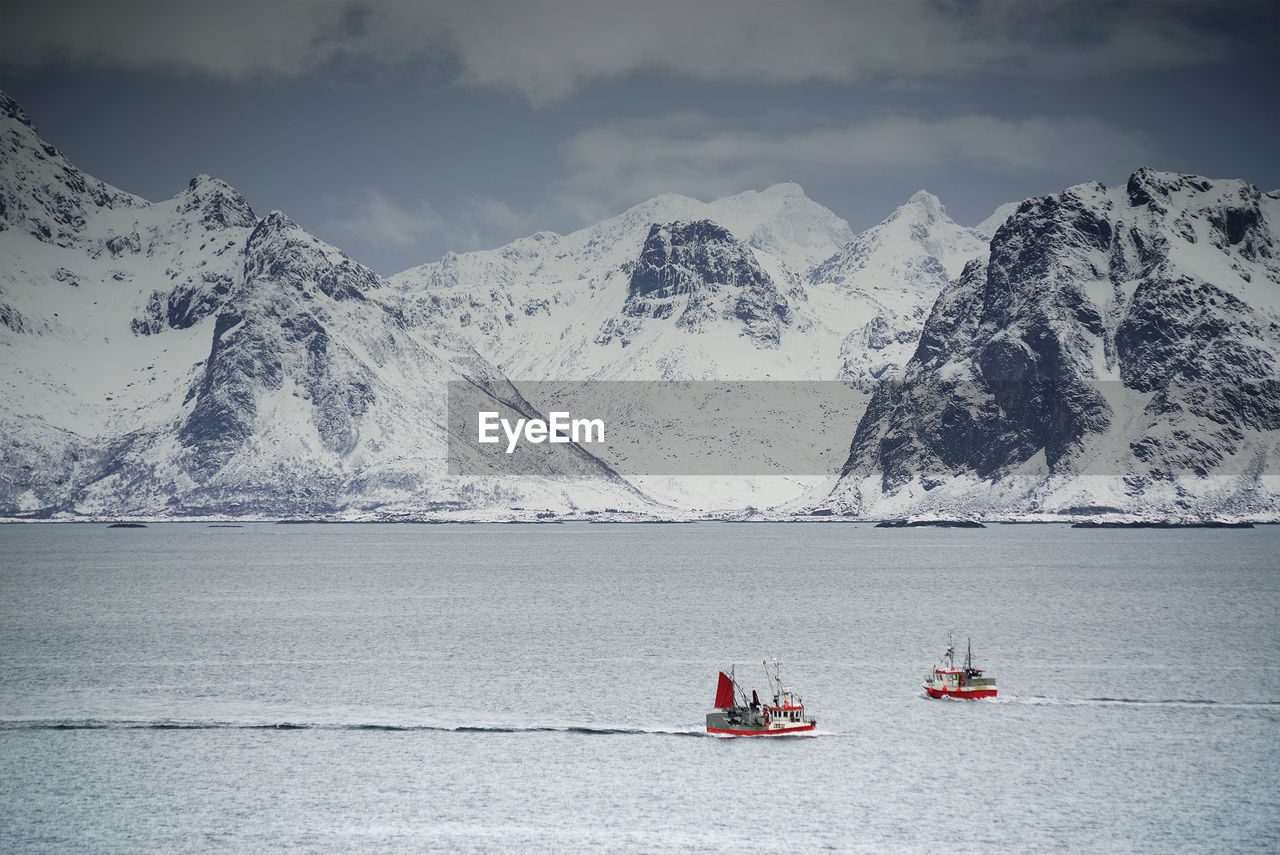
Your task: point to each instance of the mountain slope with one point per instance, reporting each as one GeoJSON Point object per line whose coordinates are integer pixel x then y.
{"type": "Point", "coordinates": [1118, 350]}
{"type": "Point", "coordinates": [185, 357]}
{"type": "Point", "coordinates": [758, 286]}
{"type": "Point", "coordinates": [565, 307]}
{"type": "Point", "coordinates": [555, 307]}
{"type": "Point", "coordinates": [888, 277]}
{"type": "Point", "coordinates": [41, 192]}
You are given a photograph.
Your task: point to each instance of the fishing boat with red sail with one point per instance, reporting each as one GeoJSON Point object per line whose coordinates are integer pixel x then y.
{"type": "Point", "coordinates": [949, 681]}
{"type": "Point", "coordinates": [734, 715]}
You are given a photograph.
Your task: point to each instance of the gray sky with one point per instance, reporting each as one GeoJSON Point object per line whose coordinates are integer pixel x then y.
{"type": "Point", "coordinates": [400, 130]}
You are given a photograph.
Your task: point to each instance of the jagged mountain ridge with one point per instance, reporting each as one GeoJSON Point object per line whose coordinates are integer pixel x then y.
{"type": "Point", "coordinates": [41, 192]}
{"type": "Point", "coordinates": [563, 307]}
{"type": "Point", "coordinates": [697, 273]}
{"type": "Point", "coordinates": [676, 289]}
{"type": "Point", "coordinates": [185, 411]}
{"type": "Point", "coordinates": [893, 272]}
{"type": "Point", "coordinates": [184, 357]}
{"type": "Point", "coordinates": [1117, 351]}
{"type": "Point", "coordinates": [555, 307]}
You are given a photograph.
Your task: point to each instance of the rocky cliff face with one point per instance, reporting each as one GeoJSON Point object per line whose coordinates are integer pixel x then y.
{"type": "Point", "coordinates": [211, 221]}
{"type": "Point", "coordinates": [698, 273]}
{"type": "Point", "coordinates": [1117, 350]}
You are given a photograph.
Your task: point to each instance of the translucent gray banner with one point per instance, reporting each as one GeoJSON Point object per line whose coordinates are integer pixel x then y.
{"type": "Point", "coordinates": [655, 428]}
{"type": "Point", "coordinates": [757, 428]}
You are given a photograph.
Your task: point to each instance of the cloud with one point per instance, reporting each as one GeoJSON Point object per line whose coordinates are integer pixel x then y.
{"type": "Point", "coordinates": [547, 49]}
{"type": "Point", "coordinates": [628, 161]}
{"type": "Point", "coordinates": [383, 223]}
{"type": "Point", "coordinates": [231, 39]}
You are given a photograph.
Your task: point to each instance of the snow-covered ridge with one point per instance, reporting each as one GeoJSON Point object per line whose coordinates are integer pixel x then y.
{"type": "Point", "coordinates": [41, 192]}
{"type": "Point", "coordinates": [892, 273]}
{"type": "Point", "coordinates": [1098, 349]}
{"type": "Point", "coordinates": [186, 358]}
{"type": "Point", "coordinates": [676, 289]}
{"type": "Point", "coordinates": [1117, 352]}
{"type": "Point", "coordinates": [557, 307]}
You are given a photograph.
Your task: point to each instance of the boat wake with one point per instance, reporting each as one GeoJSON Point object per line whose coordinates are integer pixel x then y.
{"type": "Point", "coordinates": [1044, 700]}
{"type": "Point", "coordinates": [134, 724]}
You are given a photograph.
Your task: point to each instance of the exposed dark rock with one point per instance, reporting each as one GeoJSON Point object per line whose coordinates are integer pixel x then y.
{"type": "Point", "coordinates": [1008, 364]}
{"type": "Point", "coordinates": [217, 203]}
{"type": "Point", "coordinates": [697, 272]}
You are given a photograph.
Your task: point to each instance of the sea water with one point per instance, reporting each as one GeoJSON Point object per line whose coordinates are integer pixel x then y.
{"type": "Point", "coordinates": [542, 688]}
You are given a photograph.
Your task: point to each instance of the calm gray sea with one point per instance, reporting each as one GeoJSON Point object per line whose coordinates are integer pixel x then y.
{"type": "Point", "coordinates": [520, 688]}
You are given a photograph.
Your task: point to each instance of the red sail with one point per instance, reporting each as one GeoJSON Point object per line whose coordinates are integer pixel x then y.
{"type": "Point", "coordinates": [724, 692]}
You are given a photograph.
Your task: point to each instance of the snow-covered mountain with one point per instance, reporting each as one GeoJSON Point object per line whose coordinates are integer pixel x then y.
{"type": "Point", "coordinates": [796, 295]}
{"type": "Point", "coordinates": [1092, 350]}
{"type": "Point", "coordinates": [890, 275]}
{"type": "Point", "coordinates": [759, 286]}
{"type": "Point", "coordinates": [185, 357]}
{"type": "Point", "coordinates": [553, 307]}
{"type": "Point", "coordinates": [1117, 352]}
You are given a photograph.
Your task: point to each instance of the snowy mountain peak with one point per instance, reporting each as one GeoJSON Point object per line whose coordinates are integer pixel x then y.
{"type": "Point", "coordinates": [926, 206]}
{"type": "Point", "coordinates": [277, 221]}
{"type": "Point", "coordinates": [658, 246]}
{"type": "Point", "coordinates": [1235, 209]}
{"type": "Point", "coordinates": [697, 272]}
{"type": "Point", "coordinates": [784, 188]}
{"type": "Point", "coordinates": [43, 193]}
{"type": "Point", "coordinates": [218, 203]}
{"type": "Point", "coordinates": [1127, 334]}
{"type": "Point", "coordinates": [737, 209]}
{"type": "Point", "coordinates": [279, 251]}
{"type": "Point", "coordinates": [1147, 184]}
{"type": "Point", "coordinates": [780, 220]}
{"type": "Point", "coordinates": [784, 222]}
{"type": "Point", "coordinates": [920, 230]}
{"type": "Point", "coordinates": [10, 109]}
{"type": "Point", "coordinates": [893, 272]}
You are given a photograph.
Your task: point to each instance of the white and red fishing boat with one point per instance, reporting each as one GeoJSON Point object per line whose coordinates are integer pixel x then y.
{"type": "Point", "coordinates": [734, 715]}
{"type": "Point", "coordinates": [949, 681]}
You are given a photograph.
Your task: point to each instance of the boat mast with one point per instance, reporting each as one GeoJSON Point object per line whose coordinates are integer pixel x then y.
{"type": "Point", "coordinates": [776, 679]}
{"type": "Point", "coordinates": [737, 689]}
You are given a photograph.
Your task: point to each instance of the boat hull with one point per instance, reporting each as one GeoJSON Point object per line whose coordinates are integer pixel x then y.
{"type": "Point", "coordinates": [961, 694]}
{"type": "Point", "coordinates": [742, 731]}
{"type": "Point", "coordinates": [725, 724]}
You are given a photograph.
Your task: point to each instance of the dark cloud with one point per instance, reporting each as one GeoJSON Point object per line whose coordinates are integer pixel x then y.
{"type": "Point", "coordinates": [402, 129]}
{"type": "Point", "coordinates": [547, 49]}
{"type": "Point", "coordinates": [614, 164]}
